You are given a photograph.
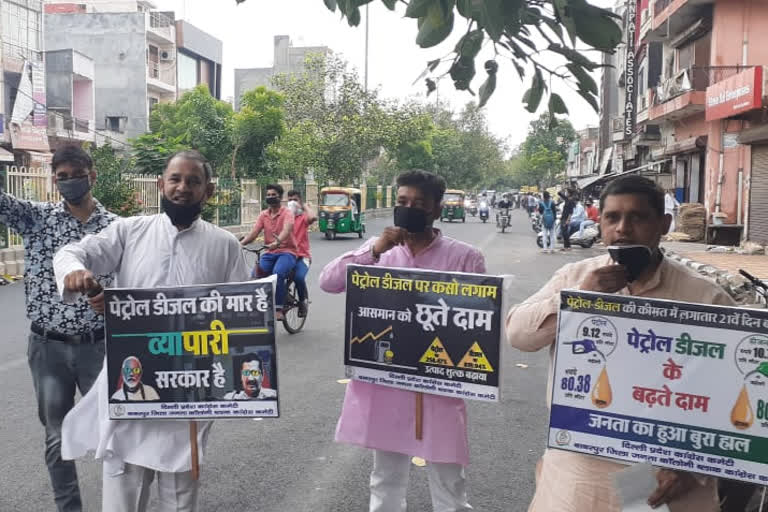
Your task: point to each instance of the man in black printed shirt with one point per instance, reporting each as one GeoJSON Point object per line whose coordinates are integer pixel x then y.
{"type": "Point", "coordinates": [66, 345]}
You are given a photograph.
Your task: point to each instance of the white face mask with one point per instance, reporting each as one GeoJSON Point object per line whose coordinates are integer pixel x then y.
{"type": "Point", "coordinates": [294, 207]}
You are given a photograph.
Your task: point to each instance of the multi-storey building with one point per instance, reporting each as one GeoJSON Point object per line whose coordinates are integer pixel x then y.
{"type": "Point", "coordinates": [199, 59]}
{"type": "Point", "coordinates": [709, 107]}
{"type": "Point", "coordinates": [287, 59]}
{"type": "Point", "coordinates": [133, 49]}
{"type": "Point", "coordinates": [583, 155]}
{"type": "Point", "coordinates": [24, 119]}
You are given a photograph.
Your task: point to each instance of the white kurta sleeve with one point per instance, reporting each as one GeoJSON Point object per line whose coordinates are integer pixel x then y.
{"type": "Point", "coordinates": [100, 253]}
{"type": "Point", "coordinates": [238, 267]}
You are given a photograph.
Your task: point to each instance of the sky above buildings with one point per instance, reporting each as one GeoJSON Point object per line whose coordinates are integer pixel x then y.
{"type": "Point", "coordinates": [395, 61]}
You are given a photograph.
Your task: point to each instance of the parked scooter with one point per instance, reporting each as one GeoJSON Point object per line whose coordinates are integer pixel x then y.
{"type": "Point", "coordinates": [590, 236]}
{"type": "Point", "coordinates": [484, 211]}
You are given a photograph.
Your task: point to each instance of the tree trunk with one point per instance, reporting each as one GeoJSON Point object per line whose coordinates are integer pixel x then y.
{"type": "Point", "coordinates": [234, 158]}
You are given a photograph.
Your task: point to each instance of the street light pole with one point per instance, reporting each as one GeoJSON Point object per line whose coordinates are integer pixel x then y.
{"type": "Point", "coordinates": [367, 18]}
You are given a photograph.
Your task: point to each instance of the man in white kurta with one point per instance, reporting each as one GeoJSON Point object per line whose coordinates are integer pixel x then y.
{"type": "Point", "coordinates": [170, 249]}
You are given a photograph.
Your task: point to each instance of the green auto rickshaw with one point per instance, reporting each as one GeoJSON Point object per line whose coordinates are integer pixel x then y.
{"type": "Point", "coordinates": [453, 206]}
{"type": "Point", "coordinates": [339, 212]}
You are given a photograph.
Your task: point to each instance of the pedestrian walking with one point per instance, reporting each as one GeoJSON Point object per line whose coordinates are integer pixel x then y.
{"type": "Point", "coordinates": [174, 248]}
{"type": "Point", "coordinates": [569, 205]}
{"type": "Point", "coordinates": [631, 212]}
{"type": "Point", "coordinates": [548, 212]}
{"type": "Point", "coordinates": [381, 418]}
{"type": "Point", "coordinates": [66, 343]}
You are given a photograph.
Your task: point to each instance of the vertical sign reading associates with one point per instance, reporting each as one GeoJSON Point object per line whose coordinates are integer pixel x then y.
{"type": "Point", "coordinates": [633, 381]}
{"type": "Point", "coordinates": [629, 71]}
{"type": "Point", "coordinates": [192, 352]}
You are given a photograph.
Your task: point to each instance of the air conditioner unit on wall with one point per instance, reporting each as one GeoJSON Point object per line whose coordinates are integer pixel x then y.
{"type": "Point", "coordinates": [167, 55]}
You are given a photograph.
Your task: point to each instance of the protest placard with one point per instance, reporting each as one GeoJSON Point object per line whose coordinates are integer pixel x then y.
{"type": "Point", "coordinates": [426, 331]}
{"type": "Point", "coordinates": [192, 352]}
{"type": "Point", "coordinates": [668, 383]}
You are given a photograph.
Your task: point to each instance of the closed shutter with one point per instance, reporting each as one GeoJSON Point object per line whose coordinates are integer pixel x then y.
{"type": "Point", "coordinates": [758, 196]}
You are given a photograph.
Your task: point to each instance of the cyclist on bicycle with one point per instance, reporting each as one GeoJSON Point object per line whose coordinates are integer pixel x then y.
{"type": "Point", "coordinates": [304, 216]}
{"type": "Point", "coordinates": [277, 224]}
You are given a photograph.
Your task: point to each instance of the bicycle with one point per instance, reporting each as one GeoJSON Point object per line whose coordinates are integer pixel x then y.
{"type": "Point", "coordinates": [292, 322]}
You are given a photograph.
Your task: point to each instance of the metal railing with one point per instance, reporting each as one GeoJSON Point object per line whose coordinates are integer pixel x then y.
{"type": "Point", "coordinates": [64, 121]}
{"type": "Point", "coordinates": [163, 71]}
{"type": "Point", "coordinates": [31, 184]}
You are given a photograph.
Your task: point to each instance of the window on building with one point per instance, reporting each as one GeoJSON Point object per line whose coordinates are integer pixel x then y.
{"type": "Point", "coordinates": [153, 61]}
{"type": "Point", "coordinates": [188, 72]}
{"type": "Point", "coordinates": [21, 26]}
{"type": "Point", "coordinates": [685, 57]}
{"type": "Point", "coordinates": [642, 87]}
{"type": "Point", "coordinates": [116, 123]}
{"type": "Point", "coordinates": [152, 103]}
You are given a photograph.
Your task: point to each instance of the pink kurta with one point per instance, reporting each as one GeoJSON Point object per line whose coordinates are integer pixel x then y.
{"type": "Point", "coordinates": [384, 418]}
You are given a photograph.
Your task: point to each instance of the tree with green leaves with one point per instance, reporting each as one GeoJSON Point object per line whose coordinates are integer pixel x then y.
{"type": "Point", "coordinates": [152, 150]}
{"type": "Point", "coordinates": [196, 120]}
{"type": "Point", "coordinates": [111, 188]}
{"type": "Point", "coordinates": [524, 31]}
{"type": "Point", "coordinates": [557, 136]}
{"type": "Point", "coordinates": [329, 112]}
{"type": "Point", "coordinates": [258, 124]}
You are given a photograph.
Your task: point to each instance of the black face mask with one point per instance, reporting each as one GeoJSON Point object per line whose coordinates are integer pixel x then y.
{"type": "Point", "coordinates": [414, 220]}
{"type": "Point", "coordinates": [181, 214]}
{"type": "Point", "coordinates": [74, 190]}
{"type": "Point", "coordinates": [273, 201]}
{"type": "Point", "coordinates": [635, 258]}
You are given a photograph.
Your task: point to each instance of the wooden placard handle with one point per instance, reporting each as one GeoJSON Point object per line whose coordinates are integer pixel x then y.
{"type": "Point", "coordinates": [194, 454]}
{"type": "Point", "coordinates": [419, 416]}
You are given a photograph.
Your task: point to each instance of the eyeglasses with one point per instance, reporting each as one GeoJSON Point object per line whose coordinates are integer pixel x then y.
{"type": "Point", "coordinates": [251, 373]}
{"type": "Point", "coordinates": [134, 371]}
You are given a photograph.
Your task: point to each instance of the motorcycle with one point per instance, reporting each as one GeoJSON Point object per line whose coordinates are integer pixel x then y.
{"type": "Point", "coordinates": [536, 222]}
{"type": "Point", "coordinates": [472, 208]}
{"type": "Point", "coordinates": [484, 211]}
{"type": "Point", "coordinates": [585, 241]}
{"type": "Point", "coordinates": [502, 220]}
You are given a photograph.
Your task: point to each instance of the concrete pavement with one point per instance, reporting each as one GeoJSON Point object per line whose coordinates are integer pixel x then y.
{"type": "Point", "coordinates": [292, 464]}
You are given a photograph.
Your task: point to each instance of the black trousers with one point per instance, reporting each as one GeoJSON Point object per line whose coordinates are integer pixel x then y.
{"type": "Point", "coordinates": [566, 233]}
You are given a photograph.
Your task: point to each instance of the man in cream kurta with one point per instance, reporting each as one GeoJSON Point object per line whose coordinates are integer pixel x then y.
{"type": "Point", "coordinates": [171, 249]}
{"type": "Point", "coordinates": [632, 212]}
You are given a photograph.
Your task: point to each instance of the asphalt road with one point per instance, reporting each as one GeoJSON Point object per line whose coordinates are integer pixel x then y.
{"type": "Point", "coordinates": [292, 464]}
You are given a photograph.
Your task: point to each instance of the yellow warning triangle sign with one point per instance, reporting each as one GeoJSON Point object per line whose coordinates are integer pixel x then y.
{"type": "Point", "coordinates": [475, 359]}
{"type": "Point", "coordinates": [436, 354]}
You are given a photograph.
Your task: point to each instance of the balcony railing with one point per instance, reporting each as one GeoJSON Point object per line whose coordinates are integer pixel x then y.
{"type": "Point", "coordinates": [163, 72]}
{"type": "Point", "coordinates": [64, 121]}
{"type": "Point", "coordinates": [162, 24]}
{"type": "Point", "coordinates": [694, 78]}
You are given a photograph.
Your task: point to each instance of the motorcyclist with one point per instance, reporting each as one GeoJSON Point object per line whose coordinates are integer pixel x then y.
{"type": "Point", "coordinates": [483, 207]}
{"type": "Point", "coordinates": [503, 206]}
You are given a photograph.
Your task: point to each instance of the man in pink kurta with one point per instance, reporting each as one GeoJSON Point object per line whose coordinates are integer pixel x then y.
{"type": "Point", "coordinates": [383, 418]}
{"type": "Point", "coordinates": [632, 212]}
